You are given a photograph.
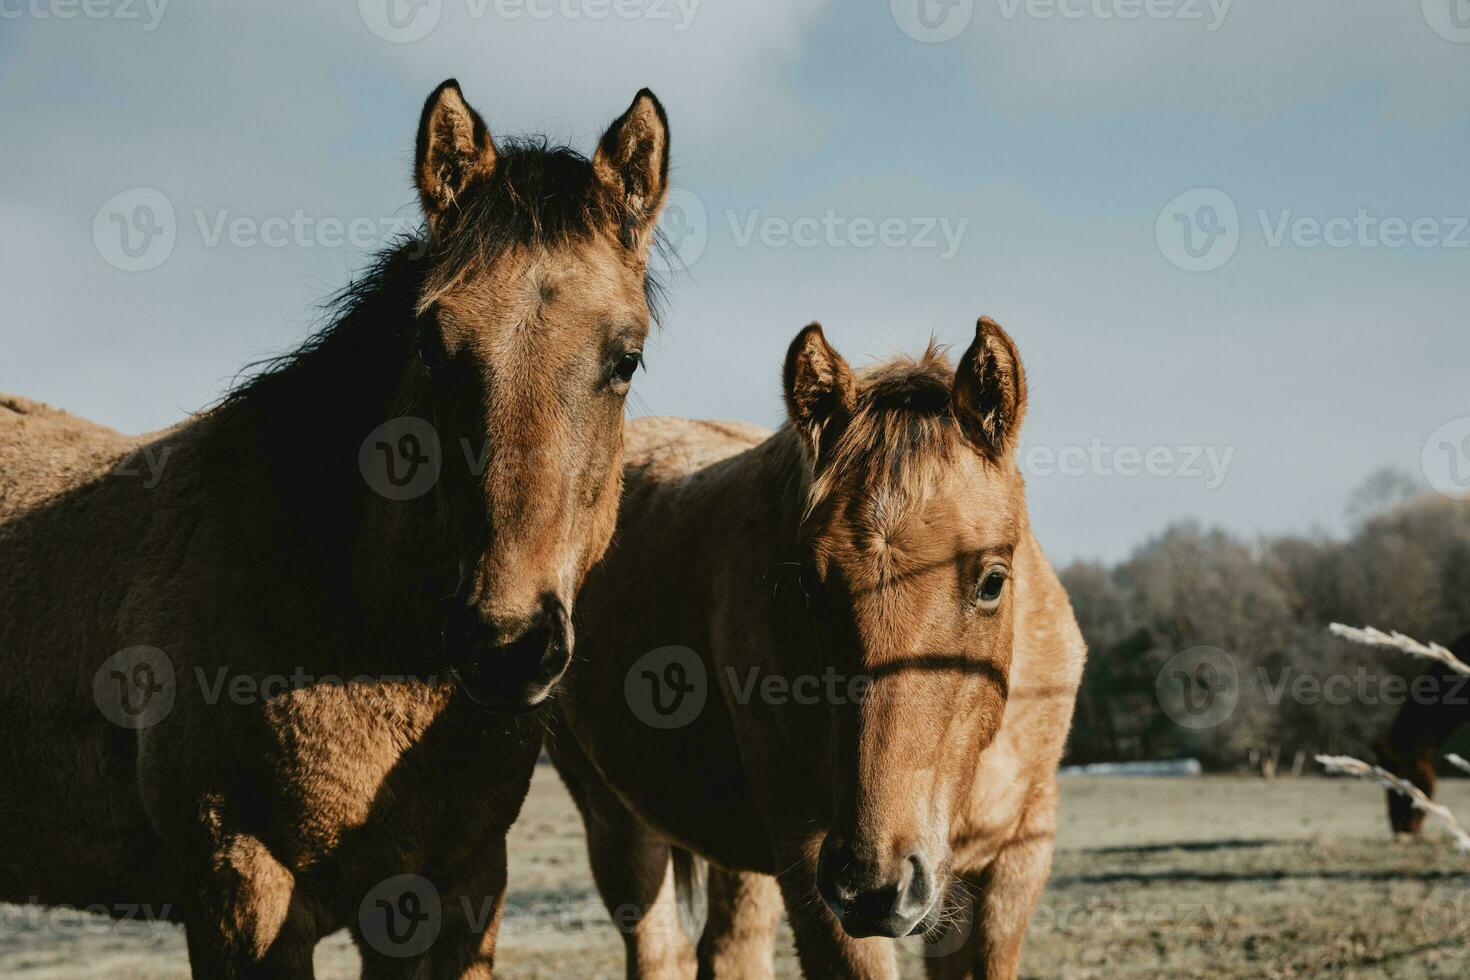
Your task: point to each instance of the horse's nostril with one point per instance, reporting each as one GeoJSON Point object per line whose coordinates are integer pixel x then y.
{"type": "Point", "coordinates": [875, 905]}
{"type": "Point", "coordinates": [874, 898]}
{"type": "Point", "coordinates": [510, 664]}
{"type": "Point", "coordinates": [918, 882]}
{"type": "Point", "coordinates": [536, 654]}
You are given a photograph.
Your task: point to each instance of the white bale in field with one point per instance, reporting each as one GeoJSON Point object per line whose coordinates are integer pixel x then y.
{"type": "Point", "coordinates": [1153, 767]}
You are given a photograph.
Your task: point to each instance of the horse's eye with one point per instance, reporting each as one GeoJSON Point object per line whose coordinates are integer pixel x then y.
{"type": "Point", "coordinates": [431, 350]}
{"type": "Point", "coordinates": [810, 581]}
{"type": "Point", "coordinates": [626, 366]}
{"type": "Point", "coordinates": [992, 584]}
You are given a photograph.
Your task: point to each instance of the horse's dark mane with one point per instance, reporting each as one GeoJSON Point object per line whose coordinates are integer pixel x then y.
{"type": "Point", "coordinates": [308, 410]}
{"type": "Point", "coordinates": [538, 195]}
{"type": "Point", "coordinates": [368, 330]}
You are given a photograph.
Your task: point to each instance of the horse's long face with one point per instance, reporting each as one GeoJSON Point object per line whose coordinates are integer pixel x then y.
{"type": "Point", "coordinates": [531, 364]}
{"type": "Point", "coordinates": [529, 340]}
{"type": "Point", "coordinates": [909, 571]}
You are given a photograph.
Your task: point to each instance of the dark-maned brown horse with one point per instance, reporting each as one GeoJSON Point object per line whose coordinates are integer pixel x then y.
{"type": "Point", "coordinates": [1422, 725]}
{"type": "Point", "coordinates": [227, 693]}
{"type": "Point", "coordinates": [835, 655]}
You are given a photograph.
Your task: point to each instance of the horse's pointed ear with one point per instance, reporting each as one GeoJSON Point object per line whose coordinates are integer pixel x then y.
{"type": "Point", "coordinates": [989, 394]}
{"type": "Point", "coordinates": [632, 165]}
{"type": "Point", "coordinates": [821, 392]}
{"type": "Point", "coordinates": [453, 149]}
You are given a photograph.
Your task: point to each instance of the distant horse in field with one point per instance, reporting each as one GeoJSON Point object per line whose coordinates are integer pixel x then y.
{"type": "Point", "coordinates": [245, 693]}
{"type": "Point", "coordinates": [1422, 726]}
{"type": "Point", "coordinates": [834, 656]}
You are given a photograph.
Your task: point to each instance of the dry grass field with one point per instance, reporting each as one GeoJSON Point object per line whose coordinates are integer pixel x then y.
{"type": "Point", "coordinates": [1217, 876]}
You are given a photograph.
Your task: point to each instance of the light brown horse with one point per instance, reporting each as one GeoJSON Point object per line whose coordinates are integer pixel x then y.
{"type": "Point", "coordinates": [231, 648]}
{"type": "Point", "coordinates": [835, 655]}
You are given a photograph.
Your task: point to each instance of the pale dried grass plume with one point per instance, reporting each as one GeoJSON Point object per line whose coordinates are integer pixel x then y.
{"type": "Point", "coordinates": [1368, 636]}
{"type": "Point", "coordinates": [1349, 766]}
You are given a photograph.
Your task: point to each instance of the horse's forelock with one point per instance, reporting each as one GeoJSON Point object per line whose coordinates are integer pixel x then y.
{"type": "Point", "coordinates": [539, 196]}
{"type": "Point", "coordinates": [900, 435]}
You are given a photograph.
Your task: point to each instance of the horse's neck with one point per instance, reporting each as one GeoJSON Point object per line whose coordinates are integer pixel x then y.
{"type": "Point", "coordinates": [403, 566]}
{"type": "Point", "coordinates": [373, 560]}
{"type": "Point", "coordinates": [759, 498]}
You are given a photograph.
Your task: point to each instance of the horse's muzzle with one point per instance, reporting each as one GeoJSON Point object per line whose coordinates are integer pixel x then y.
{"type": "Point", "coordinates": [875, 898]}
{"type": "Point", "coordinates": [509, 667]}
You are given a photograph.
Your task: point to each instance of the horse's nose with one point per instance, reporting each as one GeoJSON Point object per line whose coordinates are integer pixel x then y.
{"type": "Point", "coordinates": [510, 665]}
{"type": "Point", "coordinates": [871, 897]}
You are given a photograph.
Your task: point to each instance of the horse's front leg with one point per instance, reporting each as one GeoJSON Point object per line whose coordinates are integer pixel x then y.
{"type": "Point", "coordinates": [247, 914]}
{"type": "Point", "coordinates": [824, 949]}
{"type": "Point", "coordinates": [739, 936]}
{"type": "Point", "coordinates": [250, 920]}
{"type": "Point", "coordinates": [991, 911]}
{"type": "Point", "coordinates": [420, 931]}
{"type": "Point", "coordinates": [633, 867]}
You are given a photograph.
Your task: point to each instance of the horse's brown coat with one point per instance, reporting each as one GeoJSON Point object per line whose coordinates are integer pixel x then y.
{"type": "Point", "coordinates": [880, 505]}
{"type": "Point", "coordinates": [1419, 729]}
{"type": "Point", "coordinates": [245, 546]}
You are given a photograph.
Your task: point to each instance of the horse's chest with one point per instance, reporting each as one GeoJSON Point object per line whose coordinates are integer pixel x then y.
{"type": "Point", "coordinates": [1004, 789]}
{"type": "Point", "coordinates": [398, 767]}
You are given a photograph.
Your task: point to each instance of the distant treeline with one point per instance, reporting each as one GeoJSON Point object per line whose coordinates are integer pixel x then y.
{"type": "Point", "coordinates": [1296, 689]}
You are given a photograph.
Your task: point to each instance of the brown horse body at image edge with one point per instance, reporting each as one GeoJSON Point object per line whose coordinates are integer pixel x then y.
{"type": "Point", "coordinates": [834, 662]}
{"type": "Point", "coordinates": [1422, 726]}
{"type": "Point", "coordinates": [248, 659]}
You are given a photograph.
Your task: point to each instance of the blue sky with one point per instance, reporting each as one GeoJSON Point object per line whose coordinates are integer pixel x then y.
{"type": "Point", "coordinates": [1051, 140]}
